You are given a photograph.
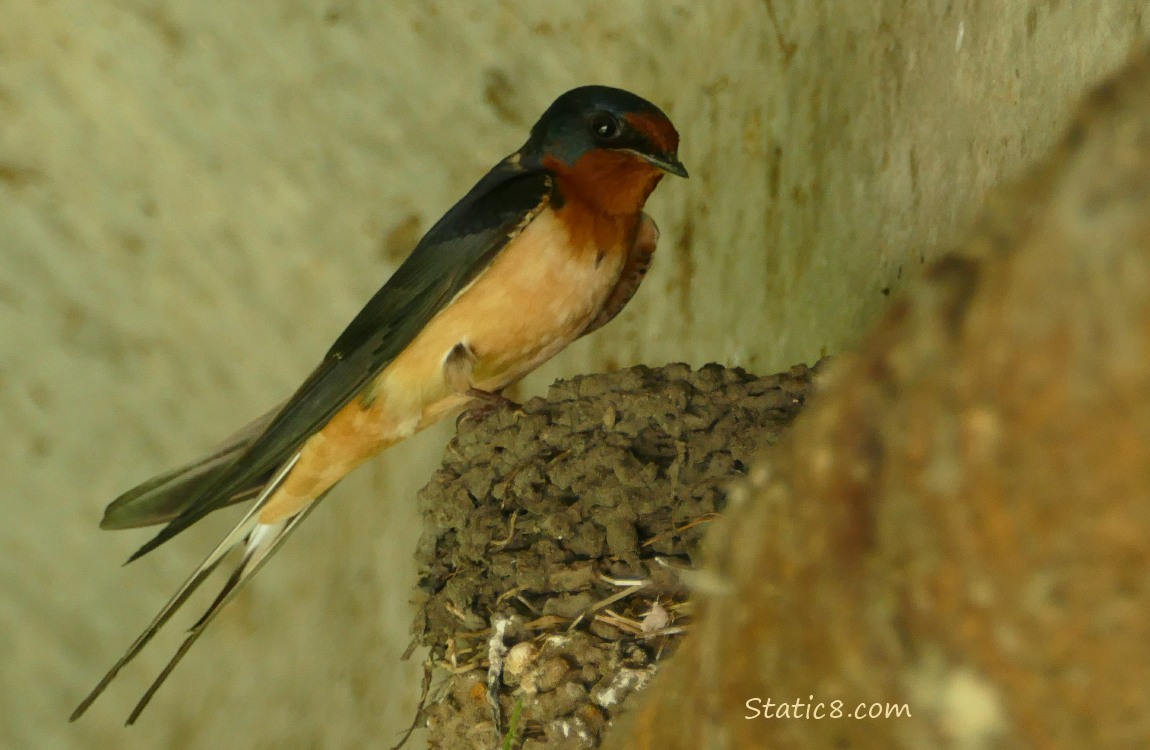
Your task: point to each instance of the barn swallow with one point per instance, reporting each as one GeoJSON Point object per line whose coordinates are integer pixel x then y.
{"type": "Point", "coordinates": [547, 247]}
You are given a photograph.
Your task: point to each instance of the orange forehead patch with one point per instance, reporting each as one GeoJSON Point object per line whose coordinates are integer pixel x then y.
{"type": "Point", "coordinates": [659, 129]}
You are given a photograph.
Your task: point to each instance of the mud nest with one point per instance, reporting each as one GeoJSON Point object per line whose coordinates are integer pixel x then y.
{"type": "Point", "coordinates": [559, 540]}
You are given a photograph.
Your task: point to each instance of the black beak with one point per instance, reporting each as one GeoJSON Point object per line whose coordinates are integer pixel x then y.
{"type": "Point", "coordinates": [667, 162]}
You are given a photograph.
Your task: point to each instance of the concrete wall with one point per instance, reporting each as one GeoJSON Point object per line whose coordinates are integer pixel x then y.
{"type": "Point", "coordinates": [196, 197]}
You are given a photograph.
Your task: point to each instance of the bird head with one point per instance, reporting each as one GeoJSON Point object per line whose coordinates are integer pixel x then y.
{"type": "Point", "coordinates": [606, 144]}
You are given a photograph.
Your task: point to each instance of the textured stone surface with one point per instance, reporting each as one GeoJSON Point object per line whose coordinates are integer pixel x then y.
{"type": "Point", "coordinates": [195, 197]}
{"type": "Point", "coordinates": [957, 523]}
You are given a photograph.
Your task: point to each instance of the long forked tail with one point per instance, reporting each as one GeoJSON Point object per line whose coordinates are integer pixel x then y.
{"type": "Point", "coordinates": [259, 540]}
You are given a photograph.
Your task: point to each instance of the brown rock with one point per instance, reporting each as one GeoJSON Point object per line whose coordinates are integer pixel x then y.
{"type": "Point", "coordinates": [961, 523]}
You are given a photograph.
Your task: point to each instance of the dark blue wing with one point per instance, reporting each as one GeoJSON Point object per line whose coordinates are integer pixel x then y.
{"type": "Point", "coordinates": [446, 260]}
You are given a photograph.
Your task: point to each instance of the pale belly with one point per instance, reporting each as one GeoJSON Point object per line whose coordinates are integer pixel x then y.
{"type": "Point", "coordinates": [534, 299]}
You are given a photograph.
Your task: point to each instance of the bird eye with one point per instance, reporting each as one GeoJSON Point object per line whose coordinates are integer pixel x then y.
{"type": "Point", "coordinates": [605, 127]}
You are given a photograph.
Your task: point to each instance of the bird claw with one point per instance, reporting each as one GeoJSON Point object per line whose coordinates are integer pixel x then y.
{"type": "Point", "coordinates": [484, 403]}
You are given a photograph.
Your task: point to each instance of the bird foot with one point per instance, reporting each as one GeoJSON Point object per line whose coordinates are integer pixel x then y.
{"type": "Point", "coordinates": [484, 403]}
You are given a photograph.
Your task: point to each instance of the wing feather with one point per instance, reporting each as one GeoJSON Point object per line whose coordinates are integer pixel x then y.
{"type": "Point", "coordinates": [449, 257]}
